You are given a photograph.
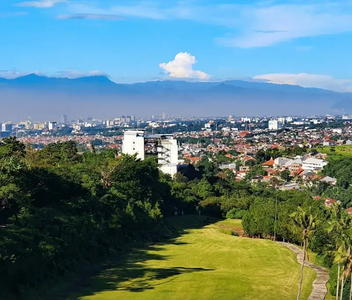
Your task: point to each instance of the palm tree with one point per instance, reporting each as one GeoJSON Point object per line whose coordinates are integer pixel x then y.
{"type": "Point", "coordinates": [342, 258]}
{"type": "Point", "coordinates": [338, 281]}
{"type": "Point", "coordinates": [339, 225]}
{"type": "Point", "coordinates": [305, 221]}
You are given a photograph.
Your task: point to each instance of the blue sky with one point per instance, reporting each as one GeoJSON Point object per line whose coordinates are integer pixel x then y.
{"type": "Point", "coordinates": [297, 42]}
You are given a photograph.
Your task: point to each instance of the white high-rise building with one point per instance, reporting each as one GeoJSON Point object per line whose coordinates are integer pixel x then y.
{"type": "Point", "coordinates": [133, 143]}
{"type": "Point", "coordinates": [274, 125]}
{"type": "Point", "coordinates": [168, 154]}
{"type": "Point", "coordinates": [63, 119]}
{"type": "Point", "coordinates": [109, 123]}
{"type": "Point", "coordinates": [6, 127]}
{"type": "Point", "coordinates": [167, 148]}
{"type": "Point", "coordinates": [52, 125]}
{"type": "Point", "coordinates": [282, 120]}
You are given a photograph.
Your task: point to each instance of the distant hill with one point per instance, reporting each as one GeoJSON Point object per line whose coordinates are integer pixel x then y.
{"type": "Point", "coordinates": [47, 97]}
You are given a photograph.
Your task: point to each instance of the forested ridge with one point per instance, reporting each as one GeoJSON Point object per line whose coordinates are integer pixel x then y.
{"type": "Point", "coordinates": [61, 210]}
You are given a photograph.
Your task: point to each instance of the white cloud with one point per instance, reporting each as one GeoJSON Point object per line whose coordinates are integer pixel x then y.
{"type": "Point", "coordinates": [308, 80]}
{"type": "Point", "coordinates": [79, 74]}
{"type": "Point", "coordinates": [182, 67]}
{"type": "Point", "coordinates": [40, 3]}
{"type": "Point", "coordinates": [254, 24]}
{"type": "Point", "coordinates": [146, 10]}
{"type": "Point", "coordinates": [266, 26]}
{"type": "Point", "coordinates": [90, 17]}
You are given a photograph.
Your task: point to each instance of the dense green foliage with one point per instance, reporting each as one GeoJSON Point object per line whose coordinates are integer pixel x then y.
{"type": "Point", "coordinates": [340, 169]}
{"type": "Point", "coordinates": [60, 209]}
{"type": "Point", "coordinates": [263, 156]}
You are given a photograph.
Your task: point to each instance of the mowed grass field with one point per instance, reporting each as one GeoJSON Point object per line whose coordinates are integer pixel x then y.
{"type": "Point", "coordinates": [202, 264]}
{"type": "Point", "coordinates": [340, 151]}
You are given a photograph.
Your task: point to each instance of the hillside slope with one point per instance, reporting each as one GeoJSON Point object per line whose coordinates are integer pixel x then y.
{"type": "Point", "coordinates": [202, 264]}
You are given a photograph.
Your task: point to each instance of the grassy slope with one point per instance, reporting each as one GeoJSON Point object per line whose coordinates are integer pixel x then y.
{"type": "Point", "coordinates": [202, 264]}
{"type": "Point", "coordinates": [235, 225]}
{"type": "Point", "coordinates": [340, 151]}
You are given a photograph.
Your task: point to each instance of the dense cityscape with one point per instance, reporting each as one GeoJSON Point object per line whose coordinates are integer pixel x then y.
{"type": "Point", "coordinates": [233, 142]}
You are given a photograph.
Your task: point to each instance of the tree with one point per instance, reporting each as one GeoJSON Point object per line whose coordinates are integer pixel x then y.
{"type": "Point", "coordinates": [207, 168]}
{"type": "Point", "coordinates": [304, 220]}
{"type": "Point", "coordinates": [259, 219]}
{"type": "Point", "coordinates": [339, 226]}
{"type": "Point", "coordinates": [11, 147]}
{"type": "Point", "coordinates": [285, 175]}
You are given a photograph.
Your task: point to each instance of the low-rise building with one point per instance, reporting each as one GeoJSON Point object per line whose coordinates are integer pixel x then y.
{"type": "Point", "coordinates": [313, 164]}
{"type": "Point", "coordinates": [329, 180]}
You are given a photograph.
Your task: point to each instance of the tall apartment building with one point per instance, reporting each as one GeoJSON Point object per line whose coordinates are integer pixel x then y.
{"type": "Point", "coordinates": [52, 125]}
{"type": "Point", "coordinates": [6, 127]}
{"type": "Point", "coordinates": [63, 119]}
{"type": "Point", "coordinates": [274, 125]}
{"type": "Point", "coordinates": [133, 143]}
{"type": "Point", "coordinates": [167, 148]}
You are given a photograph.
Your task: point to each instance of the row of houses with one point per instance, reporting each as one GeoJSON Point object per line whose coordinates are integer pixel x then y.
{"type": "Point", "coordinates": [297, 163]}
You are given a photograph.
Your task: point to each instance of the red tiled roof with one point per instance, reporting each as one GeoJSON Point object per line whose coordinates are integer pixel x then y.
{"type": "Point", "coordinates": [243, 133]}
{"type": "Point", "coordinates": [269, 163]}
{"type": "Point", "coordinates": [247, 158]}
{"type": "Point", "coordinates": [299, 171]}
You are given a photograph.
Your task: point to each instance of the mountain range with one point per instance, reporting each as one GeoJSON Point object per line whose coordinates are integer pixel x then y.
{"type": "Point", "coordinates": [44, 98]}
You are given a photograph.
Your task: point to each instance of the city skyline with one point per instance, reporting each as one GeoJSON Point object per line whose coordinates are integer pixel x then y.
{"type": "Point", "coordinates": [275, 41]}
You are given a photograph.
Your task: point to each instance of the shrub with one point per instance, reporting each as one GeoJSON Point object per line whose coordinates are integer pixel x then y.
{"type": "Point", "coordinates": [235, 213]}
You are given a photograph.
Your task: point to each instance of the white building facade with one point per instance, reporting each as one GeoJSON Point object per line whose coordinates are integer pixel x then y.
{"type": "Point", "coordinates": [167, 148]}
{"type": "Point", "coordinates": [52, 125]}
{"type": "Point", "coordinates": [313, 164]}
{"type": "Point", "coordinates": [168, 155]}
{"type": "Point", "coordinates": [133, 143]}
{"type": "Point", "coordinates": [274, 125]}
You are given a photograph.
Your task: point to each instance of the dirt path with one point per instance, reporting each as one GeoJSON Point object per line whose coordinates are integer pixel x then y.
{"type": "Point", "coordinates": [319, 285]}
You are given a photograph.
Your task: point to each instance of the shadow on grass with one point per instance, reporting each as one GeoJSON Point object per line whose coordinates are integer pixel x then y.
{"type": "Point", "coordinates": [127, 271]}
{"type": "Point", "coordinates": [133, 278]}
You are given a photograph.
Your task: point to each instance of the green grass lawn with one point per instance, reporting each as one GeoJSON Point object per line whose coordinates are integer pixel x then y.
{"type": "Point", "coordinates": [235, 224]}
{"type": "Point", "coordinates": [340, 151]}
{"type": "Point", "coordinates": [202, 264]}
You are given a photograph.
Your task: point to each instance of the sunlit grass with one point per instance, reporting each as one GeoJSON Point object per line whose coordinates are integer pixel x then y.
{"type": "Point", "coordinates": [336, 151]}
{"type": "Point", "coordinates": [203, 264]}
